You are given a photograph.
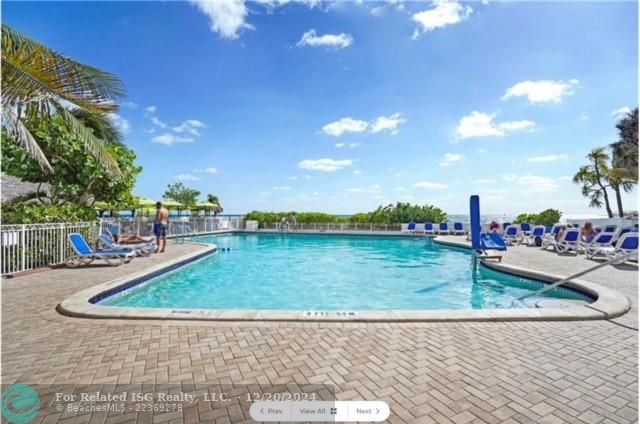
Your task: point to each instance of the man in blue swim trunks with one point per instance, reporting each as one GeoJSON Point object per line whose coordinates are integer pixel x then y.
{"type": "Point", "coordinates": [160, 227]}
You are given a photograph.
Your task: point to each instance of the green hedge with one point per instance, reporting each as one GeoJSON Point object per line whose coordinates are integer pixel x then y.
{"type": "Point", "coordinates": [547, 217]}
{"type": "Point", "coordinates": [33, 213]}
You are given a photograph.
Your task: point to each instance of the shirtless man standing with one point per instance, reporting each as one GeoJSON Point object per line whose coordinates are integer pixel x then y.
{"type": "Point", "coordinates": [160, 227]}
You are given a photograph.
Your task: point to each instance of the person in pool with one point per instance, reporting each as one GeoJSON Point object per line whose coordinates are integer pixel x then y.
{"type": "Point", "coordinates": [160, 227]}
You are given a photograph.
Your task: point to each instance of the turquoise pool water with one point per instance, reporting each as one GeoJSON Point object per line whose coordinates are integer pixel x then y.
{"type": "Point", "coordinates": [331, 273]}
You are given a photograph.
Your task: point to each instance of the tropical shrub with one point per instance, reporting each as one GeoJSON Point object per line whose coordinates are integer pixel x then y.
{"type": "Point", "coordinates": [547, 217]}
{"type": "Point", "coordinates": [33, 213]}
{"type": "Point", "coordinates": [391, 214]}
{"type": "Point", "coordinates": [77, 177]}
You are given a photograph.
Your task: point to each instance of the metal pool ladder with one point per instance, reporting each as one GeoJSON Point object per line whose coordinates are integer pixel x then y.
{"type": "Point", "coordinates": [576, 275]}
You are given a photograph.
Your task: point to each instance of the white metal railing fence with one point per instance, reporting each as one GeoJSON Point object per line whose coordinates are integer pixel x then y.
{"type": "Point", "coordinates": [331, 227]}
{"type": "Point", "coordinates": [30, 246]}
{"type": "Point", "coordinates": [178, 226]}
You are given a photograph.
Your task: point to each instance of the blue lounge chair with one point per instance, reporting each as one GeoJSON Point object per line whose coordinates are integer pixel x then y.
{"type": "Point", "coordinates": [458, 229]}
{"type": "Point", "coordinates": [538, 231]}
{"type": "Point", "coordinates": [601, 240]}
{"type": "Point", "coordinates": [625, 231]}
{"type": "Point", "coordinates": [505, 225]}
{"type": "Point", "coordinates": [610, 228]}
{"type": "Point", "coordinates": [569, 241]}
{"type": "Point", "coordinates": [549, 238]}
{"type": "Point", "coordinates": [525, 229]}
{"type": "Point", "coordinates": [443, 228]}
{"type": "Point", "coordinates": [492, 241]}
{"type": "Point", "coordinates": [141, 249]}
{"type": "Point", "coordinates": [512, 235]}
{"type": "Point", "coordinates": [626, 244]}
{"type": "Point", "coordinates": [428, 229]}
{"type": "Point", "coordinates": [411, 228]}
{"type": "Point", "coordinates": [85, 254]}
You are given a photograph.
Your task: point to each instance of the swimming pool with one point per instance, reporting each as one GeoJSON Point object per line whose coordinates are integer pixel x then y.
{"type": "Point", "coordinates": [296, 272]}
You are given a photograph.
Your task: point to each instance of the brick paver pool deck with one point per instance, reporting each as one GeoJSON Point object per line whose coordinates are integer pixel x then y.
{"type": "Point", "coordinates": [512, 372]}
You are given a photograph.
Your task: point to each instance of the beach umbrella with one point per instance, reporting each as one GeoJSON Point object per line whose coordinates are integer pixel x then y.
{"type": "Point", "coordinates": [102, 205]}
{"type": "Point", "coordinates": [206, 206]}
{"type": "Point", "coordinates": [172, 204]}
{"type": "Point", "coordinates": [143, 202]}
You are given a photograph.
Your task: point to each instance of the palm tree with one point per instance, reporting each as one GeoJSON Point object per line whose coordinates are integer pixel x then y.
{"type": "Point", "coordinates": [591, 177]}
{"type": "Point", "coordinates": [625, 150]}
{"type": "Point", "coordinates": [38, 82]}
{"type": "Point", "coordinates": [214, 199]}
{"type": "Point", "coordinates": [620, 179]}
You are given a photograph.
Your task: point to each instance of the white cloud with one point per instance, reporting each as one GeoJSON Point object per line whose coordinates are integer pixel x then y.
{"type": "Point", "coordinates": [441, 14]}
{"type": "Point", "coordinates": [387, 123]}
{"type": "Point", "coordinates": [352, 145]}
{"type": "Point", "coordinates": [621, 112]}
{"type": "Point", "coordinates": [482, 150]}
{"type": "Point", "coordinates": [187, 177]}
{"type": "Point", "coordinates": [345, 125]}
{"type": "Point", "coordinates": [478, 124]}
{"type": "Point", "coordinates": [169, 139]}
{"type": "Point", "coordinates": [544, 91]}
{"type": "Point", "coordinates": [547, 158]}
{"type": "Point", "coordinates": [151, 109]}
{"type": "Point", "coordinates": [129, 104]}
{"type": "Point", "coordinates": [292, 178]}
{"type": "Point", "coordinates": [209, 170]}
{"type": "Point", "coordinates": [514, 126]}
{"type": "Point", "coordinates": [158, 122]}
{"type": "Point", "coordinates": [340, 145]}
{"type": "Point", "coordinates": [334, 41]}
{"type": "Point", "coordinates": [532, 183]}
{"type": "Point", "coordinates": [190, 126]}
{"type": "Point", "coordinates": [450, 159]}
{"type": "Point", "coordinates": [226, 17]}
{"type": "Point", "coordinates": [280, 188]}
{"type": "Point", "coordinates": [400, 188]}
{"type": "Point", "coordinates": [431, 185]}
{"type": "Point", "coordinates": [119, 122]}
{"type": "Point", "coordinates": [325, 164]}
{"type": "Point", "coordinates": [150, 130]}
{"type": "Point", "coordinates": [357, 172]}
{"type": "Point", "coordinates": [537, 183]}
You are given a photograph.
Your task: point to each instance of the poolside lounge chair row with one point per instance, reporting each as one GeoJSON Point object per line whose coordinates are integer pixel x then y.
{"type": "Point", "coordinates": [432, 229]}
{"type": "Point", "coordinates": [114, 254]}
{"type": "Point", "coordinates": [604, 244]}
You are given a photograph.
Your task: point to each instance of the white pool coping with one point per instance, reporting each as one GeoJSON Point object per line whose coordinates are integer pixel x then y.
{"type": "Point", "coordinates": [608, 304]}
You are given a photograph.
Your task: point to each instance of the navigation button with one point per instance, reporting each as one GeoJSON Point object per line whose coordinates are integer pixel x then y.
{"type": "Point", "coordinates": [270, 411]}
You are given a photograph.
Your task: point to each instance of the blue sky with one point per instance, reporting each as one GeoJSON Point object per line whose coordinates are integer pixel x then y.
{"type": "Point", "coordinates": [340, 107]}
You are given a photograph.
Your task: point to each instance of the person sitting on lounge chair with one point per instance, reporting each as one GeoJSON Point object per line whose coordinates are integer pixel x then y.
{"type": "Point", "coordinates": [494, 227]}
{"type": "Point", "coordinates": [587, 233]}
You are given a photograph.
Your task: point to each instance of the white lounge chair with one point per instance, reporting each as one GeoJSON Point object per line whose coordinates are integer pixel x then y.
{"type": "Point", "coordinates": [429, 230]}
{"type": "Point", "coordinates": [85, 254]}
{"type": "Point", "coordinates": [512, 235]}
{"type": "Point", "coordinates": [550, 237]}
{"type": "Point", "coordinates": [569, 241]}
{"type": "Point", "coordinates": [599, 241]}
{"type": "Point", "coordinates": [458, 229]}
{"type": "Point", "coordinates": [538, 231]}
{"type": "Point", "coordinates": [628, 243]}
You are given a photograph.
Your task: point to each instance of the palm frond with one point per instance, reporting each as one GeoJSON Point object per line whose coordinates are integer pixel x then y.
{"type": "Point", "coordinates": [92, 144]}
{"type": "Point", "coordinates": [32, 72]}
{"type": "Point", "coordinates": [20, 135]}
